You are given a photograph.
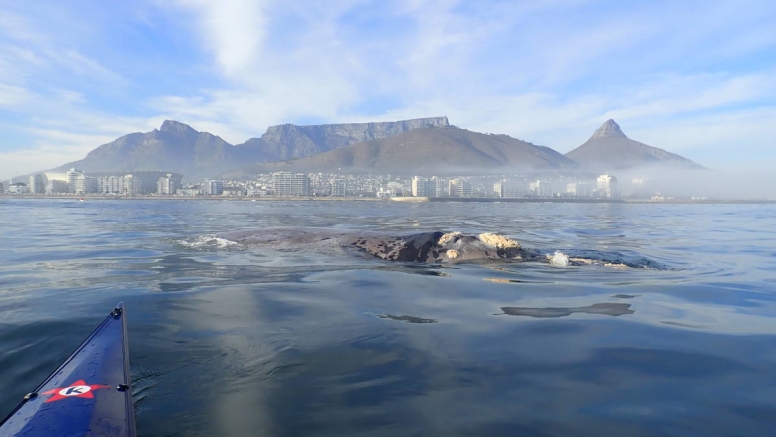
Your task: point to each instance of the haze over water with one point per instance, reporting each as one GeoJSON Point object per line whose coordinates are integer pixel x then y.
{"type": "Point", "coordinates": [287, 341]}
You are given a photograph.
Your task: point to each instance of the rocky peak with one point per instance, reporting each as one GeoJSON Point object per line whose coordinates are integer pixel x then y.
{"type": "Point", "coordinates": [609, 129]}
{"type": "Point", "coordinates": [176, 127]}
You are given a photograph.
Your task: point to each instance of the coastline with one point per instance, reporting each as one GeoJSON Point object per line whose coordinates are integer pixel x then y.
{"type": "Point", "coordinates": [400, 199]}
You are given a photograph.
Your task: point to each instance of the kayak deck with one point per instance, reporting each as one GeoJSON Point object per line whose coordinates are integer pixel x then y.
{"type": "Point", "coordinates": [89, 394]}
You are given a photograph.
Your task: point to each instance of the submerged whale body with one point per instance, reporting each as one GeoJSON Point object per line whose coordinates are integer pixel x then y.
{"type": "Point", "coordinates": [436, 246]}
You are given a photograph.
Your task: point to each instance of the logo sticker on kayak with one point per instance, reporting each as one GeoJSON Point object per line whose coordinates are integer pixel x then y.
{"type": "Point", "coordinates": [78, 389]}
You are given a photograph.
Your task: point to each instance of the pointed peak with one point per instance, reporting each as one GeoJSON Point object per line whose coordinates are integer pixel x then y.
{"type": "Point", "coordinates": [173, 126]}
{"type": "Point", "coordinates": [609, 129]}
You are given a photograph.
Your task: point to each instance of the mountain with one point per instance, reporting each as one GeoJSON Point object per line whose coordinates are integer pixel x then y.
{"type": "Point", "coordinates": [289, 141]}
{"type": "Point", "coordinates": [174, 147]}
{"type": "Point", "coordinates": [610, 149]}
{"type": "Point", "coordinates": [427, 150]}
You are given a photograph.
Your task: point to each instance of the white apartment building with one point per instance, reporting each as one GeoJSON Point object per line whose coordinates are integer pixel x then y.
{"type": "Point", "coordinates": [287, 184]}
{"type": "Point", "coordinates": [607, 186]}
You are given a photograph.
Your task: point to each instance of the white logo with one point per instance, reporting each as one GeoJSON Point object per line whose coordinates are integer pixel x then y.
{"type": "Point", "coordinates": [75, 390]}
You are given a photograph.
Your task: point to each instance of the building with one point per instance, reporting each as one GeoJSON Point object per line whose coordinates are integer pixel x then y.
{"type": "Point", "coordinates": [541, 188]}
{"type": "Point", "coordinates": [287, 184]}
{"type": "Point", "coordinates": [72, 179]}
{"type": "Point", "coordinates": [511, 189]}
{"type": "Point", "coordinates": [166, 185]}
{"type": "Point", "coordinates": [213, 187]}
{"type": "Point", "coordinates": [440, 187]}
{"type": "Point", "coordinates": [338, 188]}
{"type": "Point", "coordinates": [17, 188]}
{"type": "Point", "coordinates": [85, 184]}
{"type": "Point", "coordinates": [37, 184]}
{"type": "Point", "coordinates": [422, 187]}
{"type": "Point", "coordinates": [132, 186]}
{"type": "Point", "coordinates": [607, 186]}
{"type": "Point", "coordinates": [460, 188]}
{"type": "Point", "coordinates": [56, 186]}
{"type": "Point", "coordinates": [579, 189]}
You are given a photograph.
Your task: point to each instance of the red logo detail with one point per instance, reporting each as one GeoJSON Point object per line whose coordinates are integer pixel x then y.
{"type": "Point", "coordinates": [78, 389]}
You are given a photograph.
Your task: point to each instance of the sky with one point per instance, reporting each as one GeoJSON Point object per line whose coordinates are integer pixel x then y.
{"type": "Point", "coordinates": [697, 78]}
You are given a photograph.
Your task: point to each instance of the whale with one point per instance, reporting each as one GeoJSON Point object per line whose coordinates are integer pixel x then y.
{"type": "Point", "coordinates": [424, 247]}
{"type": "Point", "coordinates": [439, 246]}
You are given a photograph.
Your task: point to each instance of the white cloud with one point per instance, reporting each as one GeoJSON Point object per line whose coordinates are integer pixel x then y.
{"type": "Point", "coordinates": [233, 31]}
{"type": "Point", "coordinates": [13, 96]}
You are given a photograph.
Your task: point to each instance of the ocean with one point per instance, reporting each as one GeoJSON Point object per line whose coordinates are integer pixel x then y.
{"type": "Point", "coordinates": [302, 339]}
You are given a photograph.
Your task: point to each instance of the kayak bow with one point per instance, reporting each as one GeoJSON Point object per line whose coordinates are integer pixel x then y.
{"type": "Point", "coordinates": [89, 394]}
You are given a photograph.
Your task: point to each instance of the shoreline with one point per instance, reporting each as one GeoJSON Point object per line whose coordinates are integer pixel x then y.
{"type": "Point", "coordinates": [402, 199]}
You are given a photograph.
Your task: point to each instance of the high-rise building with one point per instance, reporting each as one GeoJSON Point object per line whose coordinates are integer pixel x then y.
{"type": "Point", "coordinates": [460, 188]}
{"type": "Point", "coordinates": [440, 187]}
{"type": "Point", "coordinates": [607, 186]}
{"type": "Point", "coordinates": [72, 180]}
{"type": "Point", "coordinates": [85, 184]}
{"type": "Point", "coordinates": [422, 187]}
{"type": "Point", "coordinates": [166, 185]}
{"type": "Point", "coordinates": [511, 189]}
{"type": "Point", "coordinates": [286, 184]}
{"type": "Point", "coordinates": [37, 184]}
{"type": "Point", "coordinates": [338, 188]}
{"type": "Point", "coordinates": [579, 189]}
{"type": "Point", "coordinates": [213, 187]}
{"type": "Point", "coordinates": [132, 186]}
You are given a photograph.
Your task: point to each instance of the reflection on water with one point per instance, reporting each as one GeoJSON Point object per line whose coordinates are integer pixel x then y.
{"type": "Point", "coordinates": [609, 309]}
{"type": "Point", "coordinates": [287, 341]}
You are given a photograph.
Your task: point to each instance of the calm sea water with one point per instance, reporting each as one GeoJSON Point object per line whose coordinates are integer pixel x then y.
{"type": "Point", "coordinates": [300, 341]}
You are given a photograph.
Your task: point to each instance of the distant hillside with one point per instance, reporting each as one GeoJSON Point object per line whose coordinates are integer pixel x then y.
{"type": "Point", "coordinates": [425, 150]}
{"type": "Point", "coordinates": [610, 149]}
{"type": "Point", "coordinates": [174, 147]}
{"type": "Point", "coordinates": [288, 141]}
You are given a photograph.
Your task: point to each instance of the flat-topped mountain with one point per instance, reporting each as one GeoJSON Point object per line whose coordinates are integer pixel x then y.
{"type": "Point", "coordinates": [289, 141]}
{"type": "Point", "coordinates": [175, 147]}
{"type": "Point", "coordinates": [610, 149]}
{"type": "Point", "coordinates": [424, 150]}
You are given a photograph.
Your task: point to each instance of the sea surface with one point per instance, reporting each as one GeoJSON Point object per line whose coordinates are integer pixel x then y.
{"type": "Point", "coordinates": [231, 340]}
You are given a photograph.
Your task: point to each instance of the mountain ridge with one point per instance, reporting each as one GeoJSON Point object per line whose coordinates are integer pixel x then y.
{"type": "Point", "coordinates": [405, 146]}
{"type": "Point", "coordinates": [610, 149]}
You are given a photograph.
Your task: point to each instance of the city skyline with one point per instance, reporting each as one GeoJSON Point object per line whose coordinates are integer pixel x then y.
{"type": "Point", "coordinates": [696, 79]}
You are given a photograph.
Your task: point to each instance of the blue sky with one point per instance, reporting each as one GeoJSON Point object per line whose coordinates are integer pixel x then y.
{"type": "Point", "coordinates": [697, 78]}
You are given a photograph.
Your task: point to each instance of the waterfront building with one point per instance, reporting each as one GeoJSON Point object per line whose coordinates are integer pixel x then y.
{"type": "Point", "coordinates": [541, 188]}
{"type": "Point", "coordinates": [37, 184]}
{"type": "Point", "coordinates": [422, 187]}
{"type": "Point", "coordinates": [607, 186]}
{"type": "Point", "coordinates": [460, 188]}
{"type": "Point", "coordinates": [166, 185]}
{"type": "Point", "coordinates": [579, 189]}
{"type": "Point", "coordinates": [286, 184]}
{"type": "Point", "coordinates": [17, 188]}
{"type": "Point", "coordinates": [511, 189]}
{"type": "Point", "coordinates": [213, 187]}
{"type": "Point", "coordinates": [72, 179]}
{"type": "Point", "coordinates": [56, 186]}
{"type": "Point", "coordinates": [338, 188]}
{"type": "Point", "coordinates": [85, 184]}
{"type": "Point", "coordinates": [441, 188]}
{"type": "Point", "coordinates": [132, 186]}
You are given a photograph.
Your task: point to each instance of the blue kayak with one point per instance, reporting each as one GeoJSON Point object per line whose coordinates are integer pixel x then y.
{"type": "Point", "coordinates": [88, 395]}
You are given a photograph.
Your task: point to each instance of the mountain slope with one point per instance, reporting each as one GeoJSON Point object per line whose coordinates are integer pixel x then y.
{"type": "Point", "coordinates": [610, 149]}
{"type": "Point", "coordinates": [425, 150]}
{"type": "Point", "coordinates": [174, 147]}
